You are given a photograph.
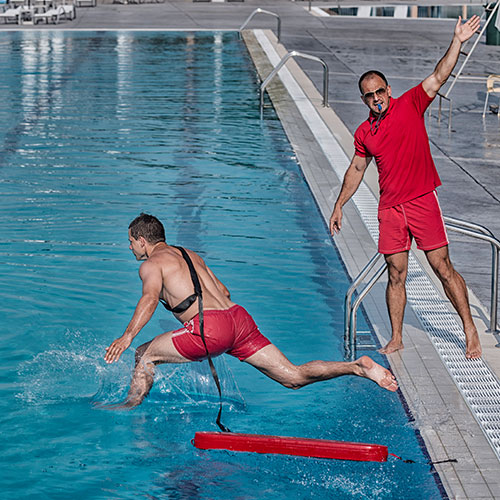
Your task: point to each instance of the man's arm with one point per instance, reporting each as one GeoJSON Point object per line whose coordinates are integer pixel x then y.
{"type": "Point", "coordinates": [352, 180]}
{"type": "Point", "coordinates": [445, 66]}
{"type": "Point", "coordinates": [151, 288]}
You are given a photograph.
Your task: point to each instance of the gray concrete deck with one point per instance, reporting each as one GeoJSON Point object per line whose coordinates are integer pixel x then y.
{"type": "Point", "coordinates": [468, 160]}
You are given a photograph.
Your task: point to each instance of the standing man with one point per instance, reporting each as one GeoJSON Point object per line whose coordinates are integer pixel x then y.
{"type": "Point", "coordinates": [395, 135]}
{"type": "Point", "coordinates": [170, 274]}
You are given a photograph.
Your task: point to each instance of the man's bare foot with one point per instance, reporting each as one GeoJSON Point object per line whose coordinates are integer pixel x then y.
{"type": "Point", "coordinates": [373, 371]}
{"type": "Point", "coordinates": [473, 346]}
{"type": "Point", "coordinates": [392, 346]}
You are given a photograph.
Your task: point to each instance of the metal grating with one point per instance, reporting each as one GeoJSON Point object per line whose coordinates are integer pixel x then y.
{"type": "Point", "coordinates": [479, 386]}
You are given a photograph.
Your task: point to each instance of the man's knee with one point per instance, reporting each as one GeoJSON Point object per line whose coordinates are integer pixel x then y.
{"type": "Point", "coordinates": [294, 384]}
{"type": "Point", "coordinates": [397, 269]}
{"type": "Point", "coordinates": [140, 351]}
{"type": "Point", "coordinates": [293, 379]}
{"type": "Point", "coordinates": [444, 270]}
{"type": "Point", "coordinates": [397, 276]}
{"type": "Point", "coordinates": [300, 376]}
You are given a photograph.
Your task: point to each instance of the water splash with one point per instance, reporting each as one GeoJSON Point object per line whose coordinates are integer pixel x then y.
{"type": "Point", "coordinates": [78, 371]}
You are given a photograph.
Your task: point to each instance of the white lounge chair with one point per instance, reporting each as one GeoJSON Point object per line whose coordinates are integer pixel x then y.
{"type": "Point", "coordinates": [54, 15]}
{"type": "Point", "coordinates": [12, 15]}
{"type": "Point", "coordinates": [69, 11]}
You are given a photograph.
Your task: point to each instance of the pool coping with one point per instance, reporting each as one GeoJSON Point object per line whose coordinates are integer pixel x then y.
{"type": "Point", "coordinates": [443, 418]}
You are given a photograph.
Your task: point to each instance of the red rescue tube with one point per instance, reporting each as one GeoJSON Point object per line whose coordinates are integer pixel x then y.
{"type": "Point", "coordinates": [318, 448]}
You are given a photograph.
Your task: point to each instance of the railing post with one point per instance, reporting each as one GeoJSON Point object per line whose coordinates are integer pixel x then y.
{"type": "Point", "coordinates": [494, 293]}
{"type": "Point", "coordinates": [351, 349]}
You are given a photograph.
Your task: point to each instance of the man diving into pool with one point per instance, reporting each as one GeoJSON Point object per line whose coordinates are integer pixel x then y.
{"type": "Point", "coordinates": [169, 274]}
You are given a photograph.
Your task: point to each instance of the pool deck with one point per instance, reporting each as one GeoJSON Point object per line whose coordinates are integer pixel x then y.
{"type": "Point", "coordinates": [468, 160]}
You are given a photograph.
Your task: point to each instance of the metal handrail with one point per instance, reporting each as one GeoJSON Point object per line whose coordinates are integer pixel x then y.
{"type": "Point", "coordinates": [262, 11]}
{"type": "Point", "coordinates": [482, 233]}
{"type": "Point", "coordinates": [453, 224]}
{"type": "Point", "coordinates": [294, 53]}
{"type": "Point", "coordinates": [347, 302]}
{"type": "Point", "coordinates": [352, 309]}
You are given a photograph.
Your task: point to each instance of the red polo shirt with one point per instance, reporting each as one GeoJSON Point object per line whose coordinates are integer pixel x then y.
{"type": "Point", "coordinates": [401, 149]}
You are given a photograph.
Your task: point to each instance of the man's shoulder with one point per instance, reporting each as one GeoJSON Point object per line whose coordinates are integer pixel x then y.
{"type": "Point", "coordinates": [414, 93]}
{"type": "Point", "coordinates": [156, 263]}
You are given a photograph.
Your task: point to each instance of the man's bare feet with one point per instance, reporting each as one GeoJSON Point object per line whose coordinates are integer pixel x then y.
{"type": "Point", "coordinates": [473, 346]}
{"type": "Point", "coordinates": [392, 346]}
{"type": "Point", "coordinates": [373, 371]}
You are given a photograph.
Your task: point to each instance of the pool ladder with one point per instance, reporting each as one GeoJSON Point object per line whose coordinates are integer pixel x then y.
{"type": "Point", "coordinates": [262, 11]}
{"type": "Point", "coordinates": [351, 308]}
{"type": "Point", "coordinates": [284, 60]}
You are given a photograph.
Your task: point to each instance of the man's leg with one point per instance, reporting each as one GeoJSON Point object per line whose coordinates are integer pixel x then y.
{"type": "Point", "coordinates": [456, 290]}
{"type": "Point", "coordinates": [159, 350]}
{"type": "Point", "coordinates": [397, 266]}
{"type": "Point", "coordinates": [273, 363]}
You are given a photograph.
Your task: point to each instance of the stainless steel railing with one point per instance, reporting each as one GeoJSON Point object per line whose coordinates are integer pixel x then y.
{"type": "Point", "coordinates": [453, 224]}
{"type": "Point", "coordinates": [262, 11]}
{"type": "Point", "coordinates": [482, 233]}
{"type": "Point", "coordinates": [283, 61]}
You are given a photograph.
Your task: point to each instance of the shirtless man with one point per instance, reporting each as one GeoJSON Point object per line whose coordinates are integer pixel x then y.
{"type": "Point", "coordinates": [394, 134]}
{"type": "Point", "coordinates": [228, 327]}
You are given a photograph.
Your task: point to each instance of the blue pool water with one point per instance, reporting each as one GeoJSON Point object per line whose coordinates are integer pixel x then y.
{"type": "Point", "coordinates": [98, 127]}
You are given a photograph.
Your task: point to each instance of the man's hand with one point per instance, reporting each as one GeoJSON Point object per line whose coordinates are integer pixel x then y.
{"type": "Point", "coordinates": [115, 350]}
{"type": "Point", "coordinates": [445, 66]}
{"type": "Point", "coordinates": [336, 220]}
{"type": "Point", "coordinates": [465, 31]}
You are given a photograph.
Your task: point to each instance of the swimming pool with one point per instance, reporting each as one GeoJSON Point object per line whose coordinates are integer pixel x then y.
{"type": "Point", "coordinates": [98, 127]}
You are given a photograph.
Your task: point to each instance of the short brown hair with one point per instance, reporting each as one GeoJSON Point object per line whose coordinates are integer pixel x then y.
{"type": "Point", "coordinates": [149, 227]}
{"type": "Point", "coordinates": [369, 74]}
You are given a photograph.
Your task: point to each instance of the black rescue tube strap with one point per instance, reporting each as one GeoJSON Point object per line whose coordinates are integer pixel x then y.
{"type": "Point", "coordinates": [408, 461]}
{"type": "Point", "coordinates": [197, 291]}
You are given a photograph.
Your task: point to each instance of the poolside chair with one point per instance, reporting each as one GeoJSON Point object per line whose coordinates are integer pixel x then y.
{"type": "Point", "coordinates": [492, 86]}
{"type": "Point", "coordinates": [54, 15]}
{"type": "Point", "coordinates": [14, 15]}
{"type": "Point", "coordinates": [69, 11]}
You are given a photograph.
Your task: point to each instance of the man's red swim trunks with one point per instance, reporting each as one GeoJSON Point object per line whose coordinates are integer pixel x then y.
{"type": "Point", "coordinates": [232, 330]}
{"type": "Point", "coordinates": [420, 218]}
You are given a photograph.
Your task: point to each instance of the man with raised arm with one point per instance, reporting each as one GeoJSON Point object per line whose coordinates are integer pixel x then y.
{"type": "Point", "coordinates": [395, 135]}
{"type": "Point", "coordinates": [169, 275]}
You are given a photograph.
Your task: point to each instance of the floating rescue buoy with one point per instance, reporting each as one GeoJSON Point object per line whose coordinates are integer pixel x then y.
{"type": "Point", "coordinates": [317, 448]}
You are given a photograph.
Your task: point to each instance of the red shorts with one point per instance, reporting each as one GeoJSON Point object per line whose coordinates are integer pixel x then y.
{"type": "Point", "coordinates": [231, 330]}
{"type": "Point", "coordinates": [420, 218]}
